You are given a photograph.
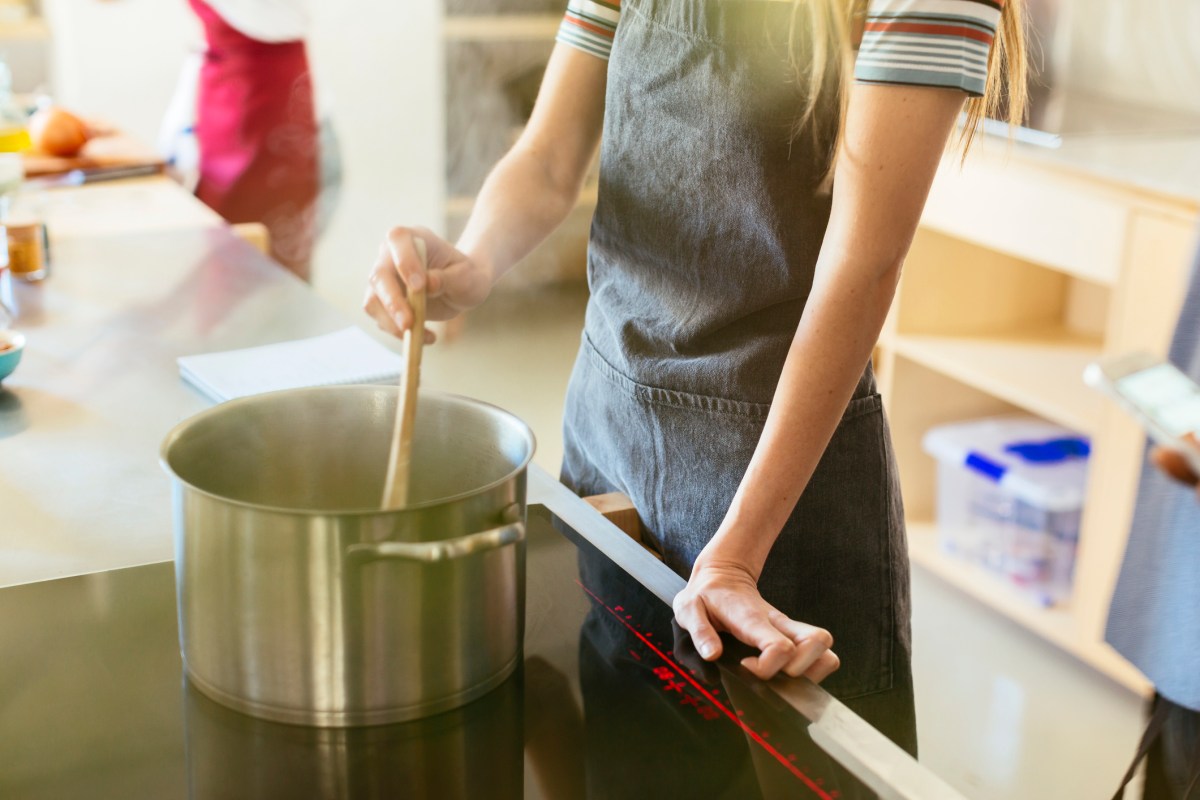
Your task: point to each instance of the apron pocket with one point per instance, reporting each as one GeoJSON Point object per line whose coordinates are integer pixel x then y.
{"type": "Point", "coordinates": [649, 395]}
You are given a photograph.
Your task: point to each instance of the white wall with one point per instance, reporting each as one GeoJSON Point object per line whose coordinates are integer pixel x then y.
{"type": "Point", "coordinates": [1141, 51]}
{"type": "Point", "coordinates": [377, 66]}
{"type": "Point", "coordinates": [119, 60]}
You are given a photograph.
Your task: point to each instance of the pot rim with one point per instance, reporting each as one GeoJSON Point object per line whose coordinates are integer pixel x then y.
{"type": "Point", "coordinates": [178, 430]}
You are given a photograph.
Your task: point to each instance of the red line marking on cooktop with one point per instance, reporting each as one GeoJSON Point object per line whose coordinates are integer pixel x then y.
{"type": "Point", "coordinates": [735, 717]}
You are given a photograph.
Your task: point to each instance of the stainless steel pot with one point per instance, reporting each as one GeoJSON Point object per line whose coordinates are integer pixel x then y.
{"type": "Point", "coordinates": [301, 601]}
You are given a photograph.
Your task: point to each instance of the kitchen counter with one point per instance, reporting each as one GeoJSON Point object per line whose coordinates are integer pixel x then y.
{"type": "Point", "coordinates": [97, 388]}
{"type": "Point", "coordinates": [1149, 150]}
{"type": "Point", "coordinates": [127, 207]}
{"type": "Point", "coordinates": [1164, 166]}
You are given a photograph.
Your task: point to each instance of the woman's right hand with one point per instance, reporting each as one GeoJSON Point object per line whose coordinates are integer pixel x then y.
{"type": "Point", "coordinates": [453, 281]}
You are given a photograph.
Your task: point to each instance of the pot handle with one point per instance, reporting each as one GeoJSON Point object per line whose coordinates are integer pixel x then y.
{"type": "Point", "coordinates": [445, 550]}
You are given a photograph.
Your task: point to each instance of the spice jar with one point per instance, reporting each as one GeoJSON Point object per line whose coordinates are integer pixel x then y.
{"type": "Point", "coordinates": [28, 249]}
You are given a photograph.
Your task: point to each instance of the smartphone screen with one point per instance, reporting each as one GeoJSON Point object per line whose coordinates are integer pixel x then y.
{"type": "Point", "coordinates": [1166, 395]}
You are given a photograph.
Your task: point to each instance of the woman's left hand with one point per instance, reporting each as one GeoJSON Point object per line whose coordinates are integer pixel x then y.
{"type": "Point", "coordinates": [722, 596]}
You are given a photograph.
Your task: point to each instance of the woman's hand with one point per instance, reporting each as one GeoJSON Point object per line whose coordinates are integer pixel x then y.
{"type": "Point", "coordinates": [453, 281]}
{"type": "Point", "coordinates": [722, 596]}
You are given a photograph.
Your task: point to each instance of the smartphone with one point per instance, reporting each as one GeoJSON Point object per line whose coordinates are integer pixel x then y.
{"type": "Point", "coordinates": [1158, 394]}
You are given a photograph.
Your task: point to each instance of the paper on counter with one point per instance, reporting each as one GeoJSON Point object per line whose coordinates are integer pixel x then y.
{"type": "Point", "coordinates": [345, 356]}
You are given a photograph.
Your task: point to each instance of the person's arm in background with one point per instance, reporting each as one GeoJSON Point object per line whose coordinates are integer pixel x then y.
{"type": "Point", "coordinates": [526, 196]}
{"type": "Point", "coordinates": [893, 142]}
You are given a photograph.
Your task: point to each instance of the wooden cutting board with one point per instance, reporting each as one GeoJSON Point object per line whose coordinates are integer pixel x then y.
{"type": "Point", "coordinates": [102, 152]}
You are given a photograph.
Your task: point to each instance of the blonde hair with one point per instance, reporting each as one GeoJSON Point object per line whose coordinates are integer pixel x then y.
{"type": "Point", "coordinates": [823, 69]}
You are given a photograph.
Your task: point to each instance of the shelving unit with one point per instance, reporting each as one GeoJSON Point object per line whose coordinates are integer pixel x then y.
{"type": "Point", "coordinates": [502, 28]}
{"type": "Point", "coordinates": [495, 55]}
{"type": "Point", "coordinates": [1014, 369]}
{"type": "Point", "coordinates": [989, 321]}
{"type": "Point", "coordinates": [461, 205]}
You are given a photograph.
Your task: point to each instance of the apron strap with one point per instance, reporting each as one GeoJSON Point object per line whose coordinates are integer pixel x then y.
{"type": "Point", "coordinates": [1154, 728]}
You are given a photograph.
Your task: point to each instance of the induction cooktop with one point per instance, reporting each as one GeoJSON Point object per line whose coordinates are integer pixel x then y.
{"type": "Point", "coordinates": [611, 702]}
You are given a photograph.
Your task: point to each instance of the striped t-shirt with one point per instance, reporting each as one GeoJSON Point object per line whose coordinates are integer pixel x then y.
{"type": "Point", "coordinates": [916, 42]}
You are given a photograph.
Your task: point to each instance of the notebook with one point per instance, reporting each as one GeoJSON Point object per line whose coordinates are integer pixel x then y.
{"type": "Point", "coordinates": [345, 356]}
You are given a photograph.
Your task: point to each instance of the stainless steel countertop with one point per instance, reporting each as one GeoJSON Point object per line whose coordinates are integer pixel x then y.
{"type": "Point", "coordinates": [82, 417]}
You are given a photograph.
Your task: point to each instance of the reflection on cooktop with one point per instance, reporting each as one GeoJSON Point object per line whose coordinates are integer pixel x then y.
{"type": "Point", "coordinates": [472, 751]}
{"type": "Point", "coordinates": [662, 722]}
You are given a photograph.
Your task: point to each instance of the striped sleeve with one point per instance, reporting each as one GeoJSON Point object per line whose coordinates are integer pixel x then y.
{"type": "Point", "coordinates": [928, 43]}
{"type": "Point", "coordinates": [590, 25]}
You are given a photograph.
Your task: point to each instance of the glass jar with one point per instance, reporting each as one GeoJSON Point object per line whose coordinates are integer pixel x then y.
{"type": "Point", "coordinates": [28, 249]}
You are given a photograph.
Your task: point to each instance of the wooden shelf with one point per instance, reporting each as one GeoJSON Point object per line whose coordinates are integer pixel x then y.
{"type": "Point", "coordinates": [34, 28]}
{"type": "Point", "coordinates": [1040, 372]}
{"type": "Point", "coordinates": [1018, 277]}
{"type": "Point", "coordinates": [461, 205]}
{"type": "Point", "coordinates": [1057, 624]}
{"type": "Point", "coordinates": [501, 27]}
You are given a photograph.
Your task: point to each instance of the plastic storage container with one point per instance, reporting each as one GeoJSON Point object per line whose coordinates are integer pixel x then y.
{"type": "Point", "coordinates": [1009, 497]}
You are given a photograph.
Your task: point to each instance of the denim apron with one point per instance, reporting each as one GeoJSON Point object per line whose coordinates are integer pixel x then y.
{"type": "Point", "coordinates": [701, 258]}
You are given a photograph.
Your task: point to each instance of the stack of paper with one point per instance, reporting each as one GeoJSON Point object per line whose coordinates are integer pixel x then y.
{"type": "Point", "coordinates": [346, 356]}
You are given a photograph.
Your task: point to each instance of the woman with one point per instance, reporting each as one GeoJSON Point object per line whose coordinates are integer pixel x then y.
{"type": "Point", "coordinates": [724, 380]}
{"type": "Point", "coordinates": [255, 122]}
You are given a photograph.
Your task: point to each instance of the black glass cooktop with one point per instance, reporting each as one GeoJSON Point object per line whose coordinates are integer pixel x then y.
{"type": "Point", "coordinates": [610, 703]}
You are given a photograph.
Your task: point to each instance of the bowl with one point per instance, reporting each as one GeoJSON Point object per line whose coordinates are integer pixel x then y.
{"type": "Point", "coordinates": [12, 344]}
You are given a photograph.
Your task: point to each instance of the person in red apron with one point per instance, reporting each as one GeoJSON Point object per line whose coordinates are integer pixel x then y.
{"type": "Point", "coordinates": [737, 288]}
{"type": "Point", "coordinates": [256, 124]}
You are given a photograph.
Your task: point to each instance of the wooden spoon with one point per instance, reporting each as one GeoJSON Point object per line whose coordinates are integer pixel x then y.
{"type": "Point", "coordinates": [395, 490]}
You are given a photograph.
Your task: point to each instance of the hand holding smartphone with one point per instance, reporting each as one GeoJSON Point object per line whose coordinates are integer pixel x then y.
{"type": "Point", "coordinates": [1157, 394]}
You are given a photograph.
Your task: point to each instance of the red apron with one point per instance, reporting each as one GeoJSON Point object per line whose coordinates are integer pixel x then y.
{"type": "Point", "coordinates": [257, 133]}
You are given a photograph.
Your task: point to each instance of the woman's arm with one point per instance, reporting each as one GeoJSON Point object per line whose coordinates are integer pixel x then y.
{"type": "Point", "coordinates": [526, 196]}
{"type": "Point", "coordinates": [537, 183]}
{"type": "Point", "coordinates": [893, 141]}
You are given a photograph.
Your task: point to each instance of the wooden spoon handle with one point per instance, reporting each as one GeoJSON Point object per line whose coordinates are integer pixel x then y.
{"type": "Point", "coordinates": [395, 490]}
